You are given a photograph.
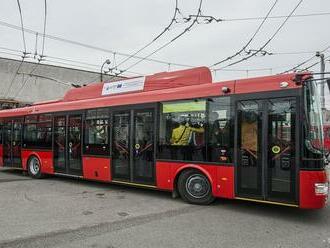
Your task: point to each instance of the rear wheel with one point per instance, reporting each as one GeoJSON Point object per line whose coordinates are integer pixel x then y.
{"type": "Point", "coordinates": [194, 187]}
{"type": "Point", "coordinates": [34, 167]}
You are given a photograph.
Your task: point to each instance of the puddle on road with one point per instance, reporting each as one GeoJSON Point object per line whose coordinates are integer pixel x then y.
{"type": "Point", "coordinates": [88, 212]}
{"type": "Point", "coordinates": [123, 214]}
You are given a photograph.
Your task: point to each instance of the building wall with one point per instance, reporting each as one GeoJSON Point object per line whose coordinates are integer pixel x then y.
{"type": "Point", "coordinates": [39, 88]}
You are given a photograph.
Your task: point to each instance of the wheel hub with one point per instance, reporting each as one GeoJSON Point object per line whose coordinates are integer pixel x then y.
{"type": "Point", "coordinates": [197, 186]}
{"type": "Point", "coordinates": [34, 166]}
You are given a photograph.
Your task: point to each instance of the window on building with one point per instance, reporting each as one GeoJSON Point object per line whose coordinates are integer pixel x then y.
{"type": "Point", "coordinates": [96, 138]}
{"type": "Point", "coordinates": [182, 130]}
{"type": "Point", "coordinates": [37, 131]}
{"type": "Point", "coordinates": [220, 132]}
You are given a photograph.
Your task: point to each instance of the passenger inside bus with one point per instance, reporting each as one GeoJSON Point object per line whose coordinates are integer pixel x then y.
{"type": "Point", "coordinates": [249, 135]}
{"type": "Point", "coordinates": [218, 138]}
{"type": "Point", "coordinates": [185, 137]}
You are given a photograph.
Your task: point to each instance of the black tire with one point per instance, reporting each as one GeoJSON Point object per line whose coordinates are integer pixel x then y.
{"type": "Point", "coordinates": [34, 167]}
{"type": "Point", "coordinates": [194, 187]}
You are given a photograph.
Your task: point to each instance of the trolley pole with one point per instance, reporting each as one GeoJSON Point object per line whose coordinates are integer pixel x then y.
{"type": "Point", "coordinates": [322, 65]}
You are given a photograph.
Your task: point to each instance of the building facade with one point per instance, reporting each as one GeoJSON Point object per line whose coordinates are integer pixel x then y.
{"type": "Point", "coordinates": [28, 82]}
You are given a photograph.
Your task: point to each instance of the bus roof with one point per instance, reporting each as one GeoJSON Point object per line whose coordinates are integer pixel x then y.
{"type": "Point", "coordinates": [165, 86]}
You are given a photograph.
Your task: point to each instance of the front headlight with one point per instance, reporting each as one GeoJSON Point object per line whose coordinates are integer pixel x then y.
{"type": "Point", "coordinates": [321, 188]}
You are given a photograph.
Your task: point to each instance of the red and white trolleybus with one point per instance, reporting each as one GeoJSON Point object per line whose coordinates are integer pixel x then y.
{"type": "Point", "coordinates": [257, 139]}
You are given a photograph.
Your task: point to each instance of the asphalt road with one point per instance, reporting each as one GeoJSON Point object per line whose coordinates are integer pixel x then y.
{"type": "Point", "coordinates": [62, 212]}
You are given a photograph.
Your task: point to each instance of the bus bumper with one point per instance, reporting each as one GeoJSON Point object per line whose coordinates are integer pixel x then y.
{"type": "Point", "coordinates": [314, 189]}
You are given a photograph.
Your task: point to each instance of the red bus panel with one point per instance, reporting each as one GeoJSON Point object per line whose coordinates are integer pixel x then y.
{"type": "Point", "coordinates": [96, 168]}
{"type": "Point", "coordinates": [226, 182]}
{"type": "Point", "coordinates": [308, 198]}
{"type": "Point", "coordinates": [220, 177]}
{"type": "Point", "coordinates": [45, 158]}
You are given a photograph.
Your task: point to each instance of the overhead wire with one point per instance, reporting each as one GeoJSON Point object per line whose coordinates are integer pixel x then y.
{"type": "Point", "coordinates": [276, 17]}
{"type": "Point", "coordinates": [67, 84]}
{"type": "Point", "coordinates": [168, 43]}
{"type": "Point", "coordinates": [269, 40]}
{"type": "Point", "coordinates": [291, 53]}
{"type": "Point", "coordinates": [11, 54]}
{"type": "Point", "coordinates": [166, 29]}
{"type": "Point", "coordinates": [311, 66]}
{"type": "Point", "coordinates": [304, 62]}
{"type": "Point", "coordinates": [76, 43]}
{"type": "Point", "coordinates": [22, 26]}
{"type": "Point", "coordinates": [24, 53]}
{"type": "Point", "coordinates": [251, 39]}
{"type": "Point", "coordinates": [209, 19]}
{"type": "Point", "coordinates": [60, 39]}
{"type": "Point", "coordinates": [42, 51]}
{"type": "Point", "coordinates": [72, 63]}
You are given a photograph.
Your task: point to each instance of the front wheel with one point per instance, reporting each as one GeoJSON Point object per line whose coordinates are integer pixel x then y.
{"type": "Point", "coordinates": [34, 168]}
{"type": "Point", "coordinates": [194, 187]}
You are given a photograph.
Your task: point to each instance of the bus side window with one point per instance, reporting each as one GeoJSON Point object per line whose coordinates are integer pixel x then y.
{"type": "Point", "coordinates": [220, 132]}
{"type": "Point", "coordinates": [182, 130]}
{"type": "Point", "coordinates": [37, 131]}
{"type": "Point", "coordinates": [96, 133]}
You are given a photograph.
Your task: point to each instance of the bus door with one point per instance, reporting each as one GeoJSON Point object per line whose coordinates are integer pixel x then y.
{"type": "Point", "coordinates": [266, 149]}
{"type": "Point", "coordinates": [133, 146]}
{"type": "Point", "coordinates": [67, 144]}
{"type": "Point", "coordinates": [12, 141]}
{"type": "Point", "coordinates": [7, 149]}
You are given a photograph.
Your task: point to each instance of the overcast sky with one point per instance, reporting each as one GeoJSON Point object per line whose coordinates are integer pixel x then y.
{"type": "Point", "coordinates": [126, 26]}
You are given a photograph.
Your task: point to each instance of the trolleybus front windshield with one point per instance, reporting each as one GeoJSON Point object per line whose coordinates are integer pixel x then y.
{"type": "Point", "coordinates": [313, 129]}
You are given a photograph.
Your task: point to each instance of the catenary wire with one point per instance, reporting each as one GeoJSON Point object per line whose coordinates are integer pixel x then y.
{"type": "Point", "coordinates": [72, 63]}
{"type": "Point", "coordinates": [166, 29]}
{"type": "Point", "coordinates": [274, 17]}
{"type": "Point", "coordinates": [311, 66]}
{"type": "Point", "coordinates": [76, 43]}
{"type": "Point", "coordinates": [209, 19]}
{"type": "Point", "coordinates": [270, 39]}
{"type": "Point", "coordinates": [168, 43]}
{"type": "Point", "coordinates": [64, 40]}
{"type": "Point", "coordinates": [304, 62]}
{"type": "Point", "coordinates": [24, 53]}
{"type": "Point", "coordinates": [42, 52]}
{"type": "Point", "coordinates": [251, 39]}
{"type": "Point", "coordinates": [22, 25]}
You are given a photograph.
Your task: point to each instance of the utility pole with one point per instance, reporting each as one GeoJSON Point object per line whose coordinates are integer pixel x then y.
{"type": "Point", "coordinates": [322, 67]}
